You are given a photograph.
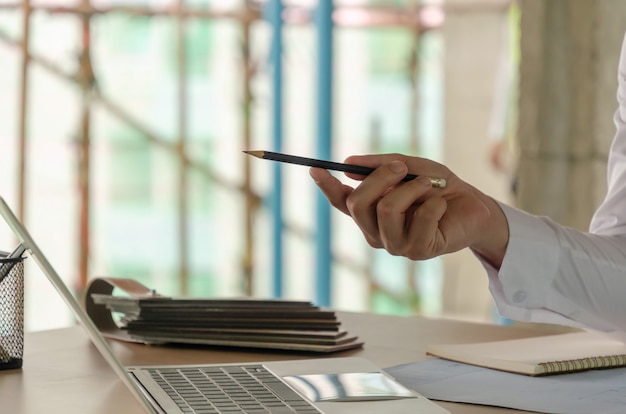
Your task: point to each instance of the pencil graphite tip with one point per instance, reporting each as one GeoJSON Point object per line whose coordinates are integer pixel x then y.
{"type": "Point", "coordinates": [258, 154]}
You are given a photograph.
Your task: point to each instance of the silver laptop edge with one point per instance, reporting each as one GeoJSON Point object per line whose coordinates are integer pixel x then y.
{"type": "Point", "coordinates": [281, 368]}
{"type": "Point", "coordinates": [98, 340]}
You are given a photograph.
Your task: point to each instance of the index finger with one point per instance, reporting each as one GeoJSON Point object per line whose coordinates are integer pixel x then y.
{"type": "Point", "coordinates": [372, 161]}
{"type": "Point", "coordinates": [416, 166]}
{"type": "Point", "coordinates": [335, 191]}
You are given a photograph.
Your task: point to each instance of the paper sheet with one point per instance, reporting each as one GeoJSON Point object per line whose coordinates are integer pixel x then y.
{"type": "Point", "coordinates": [596, 391]}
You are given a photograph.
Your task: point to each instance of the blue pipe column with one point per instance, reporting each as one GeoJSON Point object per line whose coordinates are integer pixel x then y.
{"type": "Point", "coordinates": [324, 25]}
{"type": "Point", "coordinates": [275, 18]}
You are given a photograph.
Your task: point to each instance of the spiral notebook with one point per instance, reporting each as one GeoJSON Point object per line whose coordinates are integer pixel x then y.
{"type": "Point", "coordinates": [542, 355]}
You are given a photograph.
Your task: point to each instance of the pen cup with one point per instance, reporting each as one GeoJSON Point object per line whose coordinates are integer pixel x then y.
{"type": "Point", "coordinates": [12, 314]}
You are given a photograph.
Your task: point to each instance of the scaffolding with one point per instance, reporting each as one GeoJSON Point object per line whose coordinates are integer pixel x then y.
{"type": "Point", "coordinates": [417, 19]}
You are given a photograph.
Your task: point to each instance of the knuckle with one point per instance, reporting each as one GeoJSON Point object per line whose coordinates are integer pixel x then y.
{"type": "Point", "coordinates": [396, 252]}
{"type": "Point", "coordinates": [358, 209]}
{"type": "Point", "coordinates": [419, 250]}
{"type": "Point", "coordinates": [425, 214]}
{"type": "Point", "coordinates": [352, 202]}
{"type": "Point", "coordinates": [373, 242]}
{"type": "Point", "coordinates": [418, 254]}
{"type": "Point", "coordinates": [385, 208]}
{"type": "Point", "coordinates": [430, 211]}
{"type": "Point", "coordinates": [397, 247]}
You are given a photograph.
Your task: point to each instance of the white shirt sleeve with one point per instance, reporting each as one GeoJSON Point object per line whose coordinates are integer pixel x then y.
{"type": "Point", "coordinates": [556, 274]}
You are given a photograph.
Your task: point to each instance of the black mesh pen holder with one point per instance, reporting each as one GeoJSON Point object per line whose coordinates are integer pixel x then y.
{"type": "Point", "coordinates": [11, 313]}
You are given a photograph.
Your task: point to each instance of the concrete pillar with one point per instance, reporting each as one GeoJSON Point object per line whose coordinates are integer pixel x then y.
{"type": "Point", "coordinates": [568, 81]}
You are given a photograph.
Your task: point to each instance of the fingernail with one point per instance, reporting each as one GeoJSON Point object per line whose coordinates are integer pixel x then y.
{"type": "Point", "coordinates": [315, 180]}
{"type": "Point", "coordinates": [397, 166]}
{"type": "Point", "coordinates": [425, 181]}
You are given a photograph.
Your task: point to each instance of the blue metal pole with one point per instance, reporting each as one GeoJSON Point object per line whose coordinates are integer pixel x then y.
{"type": "Point", "coordinates": [324, 138]}
{"type": "Point", "coordinates": [276, 8]}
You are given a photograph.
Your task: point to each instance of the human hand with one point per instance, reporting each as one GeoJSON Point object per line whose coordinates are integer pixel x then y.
{"type": "Point", "coordinates": [412, 218]}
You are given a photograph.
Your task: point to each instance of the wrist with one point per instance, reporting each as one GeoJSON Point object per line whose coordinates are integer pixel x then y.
{"type": "Point", "coordinates": [494, 237]}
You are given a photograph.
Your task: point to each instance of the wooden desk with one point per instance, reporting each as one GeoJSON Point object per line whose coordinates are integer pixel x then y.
{"type": "Point", "coordinates": [64, 373]}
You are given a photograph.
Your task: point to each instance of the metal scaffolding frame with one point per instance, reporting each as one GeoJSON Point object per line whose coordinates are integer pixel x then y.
{"type": "Point", "coordinates": [325, 17]}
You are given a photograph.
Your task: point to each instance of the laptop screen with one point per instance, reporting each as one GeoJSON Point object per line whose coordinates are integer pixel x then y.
{"type": "Point", "coordinates": [98, 340]}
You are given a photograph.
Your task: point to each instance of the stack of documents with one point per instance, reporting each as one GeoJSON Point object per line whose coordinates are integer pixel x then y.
{"type": "Point", "coordinates": [256, 323]}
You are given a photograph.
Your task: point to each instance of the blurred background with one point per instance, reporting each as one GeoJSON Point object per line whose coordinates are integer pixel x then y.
{"type": "Point", "coordinates": [122, 126]}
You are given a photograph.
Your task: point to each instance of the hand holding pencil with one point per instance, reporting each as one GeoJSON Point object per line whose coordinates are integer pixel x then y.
{"type": "Point", "coordinates": [330, 165]}
{"type": "Point", "coordinates": [418, 217]}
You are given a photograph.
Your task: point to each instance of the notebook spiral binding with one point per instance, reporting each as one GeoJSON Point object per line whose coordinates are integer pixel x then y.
{"type": "Point", "coordinates": [583, 364]}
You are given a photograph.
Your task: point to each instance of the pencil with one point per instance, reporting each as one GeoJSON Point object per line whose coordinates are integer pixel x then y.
{"type": "Point", "coordinates": [330, 165]}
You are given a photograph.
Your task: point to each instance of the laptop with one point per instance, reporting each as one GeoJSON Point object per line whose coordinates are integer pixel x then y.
{"type": "Point", "coordinates": [341, 385]}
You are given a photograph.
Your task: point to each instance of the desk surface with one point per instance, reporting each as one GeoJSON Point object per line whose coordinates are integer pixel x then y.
{"type": "Point", "coordinates": [64, 373]}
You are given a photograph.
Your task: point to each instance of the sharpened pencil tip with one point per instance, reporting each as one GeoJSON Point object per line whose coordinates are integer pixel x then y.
{"type": "Point", "coordinates": [258, 154]}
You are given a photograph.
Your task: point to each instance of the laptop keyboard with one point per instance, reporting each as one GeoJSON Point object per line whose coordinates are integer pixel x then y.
{"type": "Point", "coordinates": [249, 389]}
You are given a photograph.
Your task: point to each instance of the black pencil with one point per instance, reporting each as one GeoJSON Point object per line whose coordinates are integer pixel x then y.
{"type": "Point", "coordinates": [330, 165]}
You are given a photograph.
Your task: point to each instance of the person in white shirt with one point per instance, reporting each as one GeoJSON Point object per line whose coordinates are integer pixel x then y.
{"type": "Point", "coordinates": [539, 271]}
